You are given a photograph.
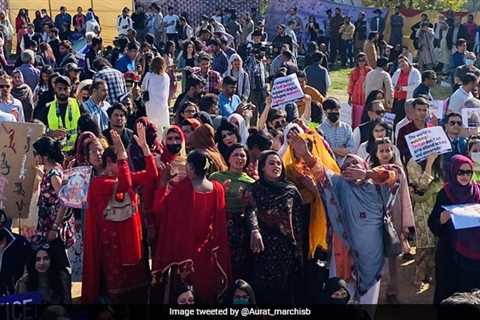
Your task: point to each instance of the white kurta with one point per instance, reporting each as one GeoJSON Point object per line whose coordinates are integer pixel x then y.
{"type": "Point", "coordinates": [158, 87]}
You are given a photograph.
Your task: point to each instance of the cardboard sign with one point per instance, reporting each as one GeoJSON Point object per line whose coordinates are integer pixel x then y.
{"type": "Point", "coordinates": [436, 108]}
{"type": "Point", "coordinates": [74, 190]}
{"type": "Point", "coordinates": [425, 142]}
{"type": "Point", "coordinates": [22, 298]}
{"type": "Point", "coordinates": [471, 117]}
{"type": "Point", "coordinates": [465, 216]}
{"type": "Point", "coordinates": [286, 89]}
{"type": "Point", "coordinates": [17, 166]}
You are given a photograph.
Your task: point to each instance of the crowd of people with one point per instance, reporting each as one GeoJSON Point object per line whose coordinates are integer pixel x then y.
{"type": "Point", "coordinates": [203, 191]}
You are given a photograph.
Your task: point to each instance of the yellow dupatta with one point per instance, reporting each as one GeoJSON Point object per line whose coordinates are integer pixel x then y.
{"type": "Point", "coordinates": [295, 170]}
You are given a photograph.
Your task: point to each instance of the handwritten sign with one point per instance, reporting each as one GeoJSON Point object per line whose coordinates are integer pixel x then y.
{"type": "Point", "coordinates": [465, 216]}
{"type": "Point", "coordinates": [286, 89]}
{"type": "Point", "coordinates": [16, 166]}
{"type": "Point", "coordinates": [76, 181]}
{"type": "Point", "coordinates": [471, 117]}
{"type": "Point", "coordinates": [425, 142]}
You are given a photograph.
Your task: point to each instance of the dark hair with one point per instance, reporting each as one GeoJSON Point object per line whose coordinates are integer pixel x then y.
{"type": "Point", "coordinates": [109, 153]}
{"type": "Point", "coordinates": [371, 103]}
{"type": "Point", "coordinates": [66, 44]}
{"type": "Point", "coordinates": [258, 139]}
{"type": "Point", "coordinates": [53, 273]}
{"type": "Point", "coordinates": [428, 74]}
{"type": "Point", "coordinates": [331, 103]}
{"type": "Point", "coordinates": [225, 126]}
{"type": "Point", "coordinates": [287, 54]}
{"type": "Point", "coordinates": [382, 62]}
{"type": "Point", "coordinates": [199, 162]}
{"type": "Point", "coordinates": [194, 81]}
{"type": "Point", "coordinates": [318, 57]}
{"type": "Point", "coordinates": [50, 148]}
{"type": "Point", "coordinates": [233, 148]}
{"type": "Point", "coordinates": [372, 35]}
{"type": "Point", "coordinates": [178, 117]}
{"type": "Point", "coordinates": [229, 80]}
{"type": "Point", "coordinates": [86, 123]}
{"type": "Point", "coordinates": [96, 41]}
{"type": "Point", "coordinates": [168, 46]}
{"type": "Point", "coordinates": [374, 161]}
{"type": "Point", "coordinates": [207, 101]}
{"type": "Point", "coordinates": [451, 115]}
{"type": "Point", "coordinates": [469, 77]}
{"type": "Point", "coordinates": [420, 101]}
{"type": "Point", "coordinates": [240, 284]}
{"type": "Point", "coordinates": [472, 141]}
{"type": "Point", "coordinates": [100, 63]}
{"type": "Point", "coordinates": [371, 138]}
{"type": "Point", "coordinates": [185, 46]}
{"type": "Point", "coordinates": [117, 106]}
{"type": "Point", "coordinates": [460, 42]}
{"type": "Point", "coordinates": [47, 70]}
{"type": "Point", "coordinates": [97, 83]}
{"type": "Point", "coordinates": [202, 57]}
{"type": "Point", "coordinates": [301, 74]}
{"type": "Point", "coordinates": [132, 46]}
{"type": "Point", "coordinates": [213, 42]}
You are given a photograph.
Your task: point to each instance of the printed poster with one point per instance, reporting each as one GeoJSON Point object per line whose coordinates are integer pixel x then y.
{"type": "Point", "coordinates": [17, 162]}
{"type": "Point", "coordinates": [465, 216]}
{"type": "Point", "coordinates": [425, 142]}
{"type": "Point", "coordinates": [74, 190]}
{"type": "Point", "coordinates": [286, 89]}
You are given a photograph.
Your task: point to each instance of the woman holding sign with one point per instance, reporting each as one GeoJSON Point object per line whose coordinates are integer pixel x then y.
{"type": "Point", "coordinates": [458, 253]}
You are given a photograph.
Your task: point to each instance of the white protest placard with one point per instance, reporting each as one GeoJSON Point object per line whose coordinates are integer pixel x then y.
{"type": "Point", "coordinates": [464, 216]}
{"type": "Point", "coordinates": [286, 89]}
{"type": "Point", "coordinates": [471, 117]}
{"type": "Point", "coordinates": [389, 118]}
{"type": "Point", "coordinates": [436, 108]}
{"type": "Point", "coordinates": [425, 142]}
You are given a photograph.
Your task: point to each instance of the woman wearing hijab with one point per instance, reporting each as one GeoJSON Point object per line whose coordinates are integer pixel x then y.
{"type": "Point", "coordinates": [238, 121]}
{"type": "Point", "coordinates": [335, 292]}
{"type": "Point", "coordinates": [22, 92]}
{"type": "Point", "coordinates": [135, 154]}
{"type": "Point", "coordinates": [236, 183]}
{"type": "Point", "coordinates": [235, 70]}
{"type": "Point", "coordinates": [425, 181]}
{"type": "Point", "coordinates": [114, 264]}
{"type": "Point", "coordinates": [192, 227]}
{"type": "Point", "coordinates": [174, 152]}
{"type": "Point", "coordinates": [202, 138]}
{"type": "Point", "coordinates": [457, 263]}
{"type": "Point", "coordinates": [355, 206]}
{"type": "Point", "coordinates": [226, 136]}
{"type": "Point", "coordinates": [276, 239]}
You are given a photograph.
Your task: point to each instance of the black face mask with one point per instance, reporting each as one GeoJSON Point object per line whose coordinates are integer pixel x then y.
{"type": "Point", "coordinates": [333, 116]}
{"type": "Point", "coordinates": [174, 148]}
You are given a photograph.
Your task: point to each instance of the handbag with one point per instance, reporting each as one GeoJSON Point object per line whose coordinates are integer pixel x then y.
{"type": "Point", "coordinates": [118, 211]}
{"type": "Point", "coordinates": [392, 247]}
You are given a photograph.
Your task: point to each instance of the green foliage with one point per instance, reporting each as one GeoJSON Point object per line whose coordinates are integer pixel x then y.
{"type": "Point", "coordinates": [455, 5]}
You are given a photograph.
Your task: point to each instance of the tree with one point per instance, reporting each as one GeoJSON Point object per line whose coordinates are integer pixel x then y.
{"type": "Point", "coordinates": [455, 5]}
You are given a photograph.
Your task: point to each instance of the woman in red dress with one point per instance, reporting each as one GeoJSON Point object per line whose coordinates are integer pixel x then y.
{"type": "Point", "coordinates": [114, 265]}
{"type": "Point", "coordinates": [356, 91]}
{"type": "Point", "coordinates": [192, 227]}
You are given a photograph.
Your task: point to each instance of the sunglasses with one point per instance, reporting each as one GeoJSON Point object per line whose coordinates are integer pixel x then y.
{"type": "Point", "coordinates": [461, 172]}
{"type": "Point", "coordinates": [452, 123]}
{"type": "Point", "coordinates": [380, 112]}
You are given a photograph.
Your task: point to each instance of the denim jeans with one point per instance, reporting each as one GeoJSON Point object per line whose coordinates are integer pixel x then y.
{"type": "Point", "coordinates": [347, 52]}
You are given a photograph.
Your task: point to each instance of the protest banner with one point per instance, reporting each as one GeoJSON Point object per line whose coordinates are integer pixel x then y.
{"type": "Point", "coordinates": [471, 117]}
{"type": "Point", "coordinates": [436, 108]}
{"type": "Point", "coordinates": [425, 142]}
{"type": "Point", "coordinates": [286, 89]}
{"type": "Point", "coordinates": [17, 166]}
{"type": "Point", "coordinates": [464, 216]}
{"type": "Point", "coordinates": [73, 192]}
{"type": "Point", "coordinates": [22, 298]}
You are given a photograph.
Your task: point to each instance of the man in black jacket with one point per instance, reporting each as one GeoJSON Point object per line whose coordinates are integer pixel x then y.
{"type": "Point", "coordinates": [455, 32]}
{"type": "Point", "coordinates": [15, 252]}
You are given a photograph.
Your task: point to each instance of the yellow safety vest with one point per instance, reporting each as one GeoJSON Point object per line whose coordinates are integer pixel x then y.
{"type": "Point", "coordinates": [70, 123]}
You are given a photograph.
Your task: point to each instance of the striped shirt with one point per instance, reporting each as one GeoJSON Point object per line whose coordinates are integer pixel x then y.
{"type": "Point", "coordinates": [338, 135]}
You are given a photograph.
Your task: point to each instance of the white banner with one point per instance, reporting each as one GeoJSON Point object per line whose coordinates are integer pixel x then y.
{"type": "Point", "coordinates": [286, 89]}
{"type": "Point", "coordinates": [425, 142]}
{"type": "Point", "coordinates": [465, 216]}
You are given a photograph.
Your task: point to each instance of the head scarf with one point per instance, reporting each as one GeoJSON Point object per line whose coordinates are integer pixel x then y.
{"type": "Point", "coordinates": [167, 156]}
{"type": "Point", "coordinates": [135, 153]}
{"type": "Point", "coordinates": [194, 123]}
{"type": "Point", "coordinates": [202, 138]}
{"type": "Point", "coordinates": [290, 126]}
{"type": "Point", "coordinates": [457, 193]}
{"type": "Point", "coordinates": [90, 16]}
{"type": "Point", "coordinates": [242, 129]}
{"type": "Point", "coordinates": [332, 285]}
